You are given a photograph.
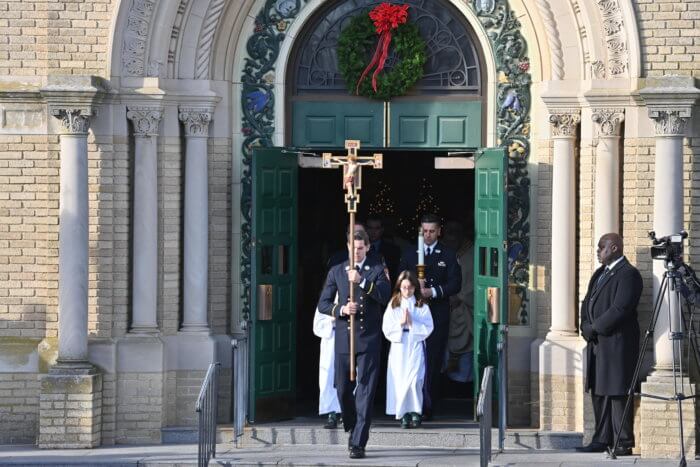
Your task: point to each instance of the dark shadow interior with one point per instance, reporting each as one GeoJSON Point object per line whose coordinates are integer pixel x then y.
{"type": "Point", "coordinates": [406, 187]}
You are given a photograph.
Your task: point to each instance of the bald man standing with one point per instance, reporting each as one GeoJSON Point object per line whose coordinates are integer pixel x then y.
{"type": "Point", "coordinates": [609, 325]}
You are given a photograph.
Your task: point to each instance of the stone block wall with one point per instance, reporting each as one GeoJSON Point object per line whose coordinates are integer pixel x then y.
{"type": "Point", "coordinates": [139, 408]}
{"type": "Point", "coordinates": [670, 36]}
{"type": "Point", "coordinates": [19, 408]}
{"type": "Point", "coordinates": [560, 399]}
{"type": "Point", "coordinates": [70, 407]}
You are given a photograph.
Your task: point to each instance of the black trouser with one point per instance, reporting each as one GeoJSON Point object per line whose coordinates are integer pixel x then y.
{"type": "Point", "coordinates": [608, 417]}
{"type": "Point", "coordinates": [434, 355]}
{"type": "Point", "coordinates": [357, 408]}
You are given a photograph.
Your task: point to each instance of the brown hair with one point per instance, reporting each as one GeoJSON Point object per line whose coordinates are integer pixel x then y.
{"type": "Point", "coordinates": [410, 277]}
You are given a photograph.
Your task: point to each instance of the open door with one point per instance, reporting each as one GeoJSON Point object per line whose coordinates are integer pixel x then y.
{"type": "Point", "coordinates": [273, 285]}
{"type": "Point", "coordinates": [490, 273]}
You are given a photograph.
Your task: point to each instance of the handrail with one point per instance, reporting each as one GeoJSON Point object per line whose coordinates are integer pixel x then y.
{"type": "Point", "coordinates": [484, 413]}
{"type": "Point", "coordinates": [206, 408]}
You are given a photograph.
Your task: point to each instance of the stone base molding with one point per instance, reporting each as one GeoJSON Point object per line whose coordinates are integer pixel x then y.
{"type": "Point", "coordinates": [70, 410]}
{"type": "Point", "coordinates": [659, 434]}
{"type": "Point", "coordinates": [559, 360]}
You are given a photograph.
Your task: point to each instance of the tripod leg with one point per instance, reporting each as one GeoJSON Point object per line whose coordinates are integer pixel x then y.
{"type": "Point", "coordinates": [676, 331]}
{"type": "Point", "coordinates": [649, 332]}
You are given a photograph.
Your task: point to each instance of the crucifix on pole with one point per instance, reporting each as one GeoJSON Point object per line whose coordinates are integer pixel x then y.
{"type": "Point", "coordinates": [352, 183]}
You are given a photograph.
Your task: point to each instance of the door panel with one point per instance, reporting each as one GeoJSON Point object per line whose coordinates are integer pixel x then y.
{"type": "Point", "coordinates": [489, 256]}
{"type": "Point", "coordinates": [329, 124]}
{"type": "Point", "coordinates": [435, 124]}
{"type": "Point", "coordinates": [274, 265]}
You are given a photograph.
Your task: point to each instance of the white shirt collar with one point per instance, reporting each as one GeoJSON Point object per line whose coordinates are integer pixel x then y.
{"type": "Point", "coordinates": [431, 248]}
{"type": "Point", "coordinates": [359, 265]}
{"type": "Point", "coordinates": [614, 263]}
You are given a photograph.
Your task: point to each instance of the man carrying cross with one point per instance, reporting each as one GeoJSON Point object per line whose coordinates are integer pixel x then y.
{"type": "Point", "coordinates": [371, 293]}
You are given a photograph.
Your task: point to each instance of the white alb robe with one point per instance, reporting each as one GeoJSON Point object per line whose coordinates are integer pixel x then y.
{"type": "Point", "coordinates": [324, 327]}
{"type": "Point", "coordinates": [406, 366]}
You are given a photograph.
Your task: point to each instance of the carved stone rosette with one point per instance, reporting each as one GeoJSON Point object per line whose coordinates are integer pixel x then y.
{"type": "Point", "coordinates": [145, 119]}
{"type": "Point", "coordinates": [608, 121]}
{"type": "Point", "coordinates": [669, 122]}
{"type": "Point", "coordinates": [196, 120]}
{"type": "Point", "coordinates": [74, 120]}
{"type": "Point", "coordinates": [564, 122]}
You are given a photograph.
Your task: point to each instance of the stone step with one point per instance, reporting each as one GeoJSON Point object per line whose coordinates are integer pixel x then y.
{"type": "Point", "coordinates": [441, 433]}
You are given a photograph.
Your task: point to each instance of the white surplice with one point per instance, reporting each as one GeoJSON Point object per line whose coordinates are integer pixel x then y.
{"type": "Point", "coordinates": [324, 327]}
{"type": "Point", "coordinates": [406, 366]}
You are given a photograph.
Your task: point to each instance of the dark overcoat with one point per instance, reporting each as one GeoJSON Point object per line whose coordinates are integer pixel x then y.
{"type": "Point", "coordinates": [610, 326]}
{"type": "Point", "coordinates": [372, 299]}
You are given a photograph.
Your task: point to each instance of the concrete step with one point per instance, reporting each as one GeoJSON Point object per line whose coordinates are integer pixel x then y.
{"type": "Point", "coordinates": [435, 434]}
{"type": "Point", "coordinates": [189, 434]}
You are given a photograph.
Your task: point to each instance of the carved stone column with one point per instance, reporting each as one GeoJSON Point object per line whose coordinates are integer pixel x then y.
{"type": "Point", "coordinates": [607, 171]}
{"type": "Point", "coordinates": [559, 366]}
{"type": "Point", "coordinates": [145, 245]}
{"type": "Point", "coordinates": [563, 127]}
{"type": "Point", "coordinates": [73, 239]}
{"type": "Point", "coordinates": [196, 263]}
{"type": "Point", "coordinates": [670, 102]}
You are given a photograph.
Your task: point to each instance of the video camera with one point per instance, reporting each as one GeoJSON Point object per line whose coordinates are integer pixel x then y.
{"type": "Point", "coordinates": [668, 248]}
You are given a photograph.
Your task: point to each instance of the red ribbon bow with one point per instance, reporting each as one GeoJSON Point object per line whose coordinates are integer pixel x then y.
{"type": "Point", "coordinates": [385, 17]}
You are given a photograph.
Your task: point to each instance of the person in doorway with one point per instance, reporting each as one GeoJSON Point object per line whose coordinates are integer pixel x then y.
{"type": "Point", "coordinates": [384, 248]}
{"type": "Point", "coordinates": [458, 358]}
{"type": "Point", "coordinates": [609, 325]}
{"type": "Point", "coordinates": [371, 293]}
{"type": "Point", "coordinates": [407, 323]}
{"type": "Point", "coordinates": [324, 327]}
{"type": "Point", "coordinates": [443, 278]}
{"type": "Point", "coordinates": [342, 255]}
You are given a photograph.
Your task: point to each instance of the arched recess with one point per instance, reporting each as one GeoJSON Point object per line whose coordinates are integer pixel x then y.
{"type": "Point", "coordinates": [267, 50]}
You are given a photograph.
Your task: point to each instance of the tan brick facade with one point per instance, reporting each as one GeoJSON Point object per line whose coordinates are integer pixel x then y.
{"type": "Point", "coordinates": [39, 38]}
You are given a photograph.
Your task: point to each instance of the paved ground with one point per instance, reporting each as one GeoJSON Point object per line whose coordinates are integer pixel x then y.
{"type": "Point", "coordinates": [186, 455]}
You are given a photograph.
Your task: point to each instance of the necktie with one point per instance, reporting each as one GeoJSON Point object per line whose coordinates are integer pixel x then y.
{"type": "Point", "coordinates": [602, 277]}
{"type": "Point", "coordinates": [428, 251]}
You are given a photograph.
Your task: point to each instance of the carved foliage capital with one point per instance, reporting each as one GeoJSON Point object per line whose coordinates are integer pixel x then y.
{"type": "Point", "coordinates": [608, 121]}
{"type": "Point", "coordinates": [669, 122]}
{"type": "Point", "coordinates": [196, 120]}
{"type": "Point", "coordinates": [74, 120]}
{"type": "Point", "coordinates": [145, 119]}
{"type": "Point", "coordinates": [564, 122]}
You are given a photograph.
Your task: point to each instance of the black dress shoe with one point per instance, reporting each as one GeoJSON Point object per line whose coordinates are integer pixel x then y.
{"type": "Point", "coordinates": [332, 422]}
{"type": "Point", "coordinates": [623, 451]}
{"type": "Point", "coordinates": [593, 447]}
{"type": "Point", "coordinates": [357, 452]}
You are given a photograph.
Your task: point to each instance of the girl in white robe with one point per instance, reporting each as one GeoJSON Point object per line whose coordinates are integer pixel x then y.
{"type": "Point", "coordinates": [407, 323]}
{"type": "Point", "coordinates": [324, 327]}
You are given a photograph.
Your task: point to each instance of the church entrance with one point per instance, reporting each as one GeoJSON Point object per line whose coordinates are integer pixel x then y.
{"type": "Point", "coordinates": [394, 197]}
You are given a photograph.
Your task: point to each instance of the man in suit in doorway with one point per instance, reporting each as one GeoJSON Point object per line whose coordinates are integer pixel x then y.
{"type": "Point", "coordinates": [443, 278]}
{"type": "Point", "coordinates": [609, 325]}
{"type": "Point", "coordinates": [371, 294]}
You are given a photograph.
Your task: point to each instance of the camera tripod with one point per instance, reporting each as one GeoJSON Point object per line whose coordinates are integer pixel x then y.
{"type": "Point", "coordinates": [673, 295]}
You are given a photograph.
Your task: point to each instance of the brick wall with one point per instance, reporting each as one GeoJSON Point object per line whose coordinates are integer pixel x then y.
{"type": "Point", "coordinates": [19, 408]}
{"type": "Point", "coordinates": [670, 36]}
{"type": "Point", "coordinates": [139, 408]}
{"type": "Point", "coordinates": [543, 230]}
{"type": "Point", "coordinates": [219, 234]}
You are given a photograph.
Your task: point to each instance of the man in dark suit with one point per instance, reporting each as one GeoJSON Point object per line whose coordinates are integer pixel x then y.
{"type": "Point", "coordinates": [609, 325]}
{"type": "Point", "coordinates": [372, 290]}
{"type": "Point", "coordinates": [384, 248]}
{"type": "Point", "coordinates": [443, 278]}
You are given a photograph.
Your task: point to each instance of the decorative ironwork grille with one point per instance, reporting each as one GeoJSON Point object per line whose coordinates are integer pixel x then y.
{"type": "Point", "coordinates": [452, 65]}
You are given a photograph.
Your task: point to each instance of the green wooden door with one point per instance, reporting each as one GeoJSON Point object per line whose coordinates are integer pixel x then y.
{"type": "Point", "coordinates": [489, 257]}
{"type": "Point", "coordinates": [328, 124]}
{"type": "Point", "coordinates": [273, 285]}
{"type": "Point", "coordinates": [435, 124]}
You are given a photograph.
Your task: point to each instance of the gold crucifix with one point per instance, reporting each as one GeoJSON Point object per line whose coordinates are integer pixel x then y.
{"type": "Point", "coordinates": [352, 183]}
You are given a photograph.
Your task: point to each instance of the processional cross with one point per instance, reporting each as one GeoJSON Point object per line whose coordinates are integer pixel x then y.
{"type": "Point", "coordinates": [352, 183]}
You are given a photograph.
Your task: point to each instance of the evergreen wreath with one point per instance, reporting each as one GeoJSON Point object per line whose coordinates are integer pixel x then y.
{"type": "Point", "coordinates": [364, 36]}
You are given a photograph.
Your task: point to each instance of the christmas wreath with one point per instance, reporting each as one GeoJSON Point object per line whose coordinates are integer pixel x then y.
{"type": "Point", "coordinates": [370, 35]}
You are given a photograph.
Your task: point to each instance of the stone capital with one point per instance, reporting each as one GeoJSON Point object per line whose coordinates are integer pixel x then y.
{"type": "Point", "coordinates": [145, 119]}
{"type": "Point", "coordinates": [608, 121]}
{"type": "Point", "coordinates": [196, 120]}
{"type": "Point", "coordinates": [668, 122]}
{"type": "Point", "coordinates": [74, 120]}
{"type": "Point", "coordinates": [564, 122]}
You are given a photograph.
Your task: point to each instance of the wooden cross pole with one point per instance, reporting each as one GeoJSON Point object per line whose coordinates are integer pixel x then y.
{"type": "Point", "coordinates": [352, 183]}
